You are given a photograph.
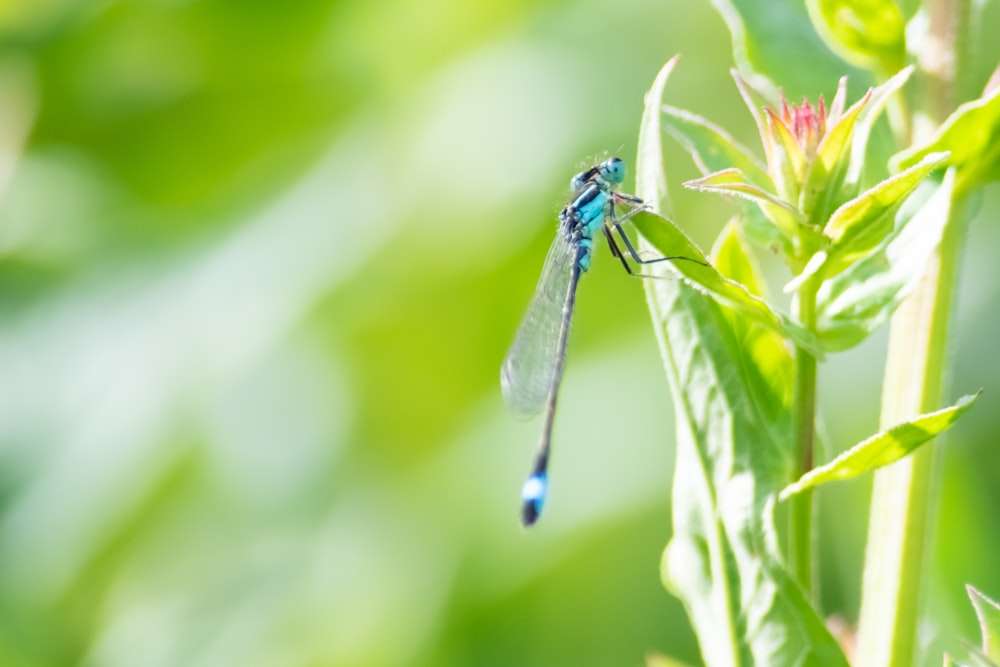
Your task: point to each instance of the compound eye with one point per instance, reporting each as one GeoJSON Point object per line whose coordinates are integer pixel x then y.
{"type": "Point", "coordinates": [578, 182]}
{"type": "Point", "coordinates": [613, 170]}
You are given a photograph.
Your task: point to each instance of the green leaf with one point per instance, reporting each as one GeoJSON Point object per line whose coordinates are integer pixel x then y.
{"type": "Point", "coordinates": [731, 460]}
{"type": "Point", "coordinates": [866, 33]}
{"type": "Point", "coordinates": [854, 303]}
{"type": "Point", "coordinates": [786, 160]}
{"type": "Point", "coordinates": [733, 182]}
{"type": "Point", "coordinates": [826, 173]}
{"type": "Point", "coordinates": [988, 613]}
{"type": "Point", "coordinates": [711, 147]}
{"type": "Point", "coordinates": [866, 122]}
{"type": "Point", "coordinates": [772, 368]}
{"type": "Point", "coordinates": [972, 135]}
{"type": "Point", "coordinates": [653, 183]}
{"type": "Point", "coordinates": [882, 449]}
{"type": "Point", "coordinates": [670, 241]}
{"type": "Point", "coordinates": [777, 40]}
{"type": "Point", "coordinates": [862, 223]}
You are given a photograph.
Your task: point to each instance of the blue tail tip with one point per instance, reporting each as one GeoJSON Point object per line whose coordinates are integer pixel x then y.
{"type": "Point", "coordinates": [532, 498]}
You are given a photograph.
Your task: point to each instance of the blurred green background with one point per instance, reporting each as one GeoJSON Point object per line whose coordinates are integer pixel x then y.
{"type": "Point", "coordinates": [259, 265]}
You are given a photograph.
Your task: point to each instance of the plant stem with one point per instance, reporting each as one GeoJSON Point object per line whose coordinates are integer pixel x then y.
{"type": "Point", "coordinates": [902, 500]}
{"type": "Point", "coordinates": [800, 538]}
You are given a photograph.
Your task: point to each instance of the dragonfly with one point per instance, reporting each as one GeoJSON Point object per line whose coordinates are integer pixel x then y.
{"type": "Point", "coordinates": [533, 369]}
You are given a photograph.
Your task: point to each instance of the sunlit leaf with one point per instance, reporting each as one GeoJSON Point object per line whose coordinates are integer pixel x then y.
{"type": "Point", "coordinates": [731, 460]}
{"type": "Point", "coordinates": [786, 160]}
{"type": "Point", "coordinates": [862, 223]}
{"type": "Point", "coordinates": [654, 184]}
{"type": "Point", "coordinates": [772, 368]}
{"type": "Point", "coordinates": [866, 33]}
{"type": "Point", "coordinates": [827, 172]}
{"type": "Point", "coordinates": [866, 122]}
{"type": "Point", "coordinates": [670, 241]}
{"type": "Point", "coordinates": [733, 182]}
{"type": "Point", "coordinates": [711, 147]}
{"type": "Point", "coordinates": [883, 448]}
{"type": "Point", "coordinates": [988, 613]}
{"type": "Point", "coordinates": [854, 303]}
{"type": "Point", "coordinates": [970, 134]}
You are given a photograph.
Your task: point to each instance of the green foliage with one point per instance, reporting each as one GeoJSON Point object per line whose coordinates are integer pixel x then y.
{"type": "Point", "coordinates": [859, 225]}
{"type": "Point", "coordinates": [860, 299]}
{"type": "Point", "coordinates": [988, 613]}
{"type": "Point", "coordinates": [733, 455]}
{"type": "Point", "coordinates": [259, 263]}
{"type": "Point", "coordinates": [731, 181]}
{"type": "Point", "coordinates": [882, 448]}
{"type": "Point", "coordinates": [856, 253]}
{"type": "Point", "coordinates": [970, 136]}
{"type": "Point", "coordinates": [714, 150]}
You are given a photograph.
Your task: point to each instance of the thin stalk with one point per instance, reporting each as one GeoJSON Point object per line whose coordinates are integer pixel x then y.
{"type": "Point", "coordinates": [903, 500]}
{"type": "Point", "coordinates": [800, 538]}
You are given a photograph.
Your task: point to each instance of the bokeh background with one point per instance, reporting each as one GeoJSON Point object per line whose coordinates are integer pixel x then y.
{"type": "Point", "coordinates": [259, 265]}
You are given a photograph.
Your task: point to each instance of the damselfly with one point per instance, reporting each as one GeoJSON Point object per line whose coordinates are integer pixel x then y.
{"type": "Point", "coordinates": [533, 369]}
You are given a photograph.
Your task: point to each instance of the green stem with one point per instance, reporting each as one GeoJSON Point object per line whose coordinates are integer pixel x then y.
{"type": "Point", "coordinates": [903, 499]}
{"type": "Point", "coordinates": [800, 538]}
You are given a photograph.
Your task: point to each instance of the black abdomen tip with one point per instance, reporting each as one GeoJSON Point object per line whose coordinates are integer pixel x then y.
{"type": "Point", "coordinates": [532, 497]}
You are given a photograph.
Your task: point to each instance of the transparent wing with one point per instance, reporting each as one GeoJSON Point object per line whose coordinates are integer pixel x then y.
{"type": "Point", "coordinates": [530, 367]}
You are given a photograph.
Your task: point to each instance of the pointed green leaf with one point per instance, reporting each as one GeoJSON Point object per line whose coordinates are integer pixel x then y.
{"type": "Point", "coordinates": [836, 108]}
{"type": "Point", "coordinates": [866, 122]}
{"type": "Point", "coordinates": [654, 184]}
{"type": "Point", "coordinates": [853, 304]}
{"type": "Point", "coordinates": [756, 101]}
{"type": "Point", "coordinates": [670, 241]}
{"type": "Point", "coordinates": [714, 150]}
{"type": "Point", "coordinates": [882, 449]}
{"type": "Point", "coordinates": [862, 223]}
{"type": "Point", "coordinates": [988, 613]}
{"type": "Point", "coordinates": [711, 147]}
{"type": "Point", "coordinates": [866, 33]}
{"type": "Point", "coordinates": [972, 135]}
{"type": "Point", "coordinates": [828, 170]}
{"type": "Point", "coordinates": [733, 182]}
{"type": "Point", "coordinates": [745, 608]}
{"type": "Point", "coordinates": [786, 161]}
{"type": "Point", "coordinates": [731, 459]}
{"type": "Point", "coordinates": [772, 368]}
